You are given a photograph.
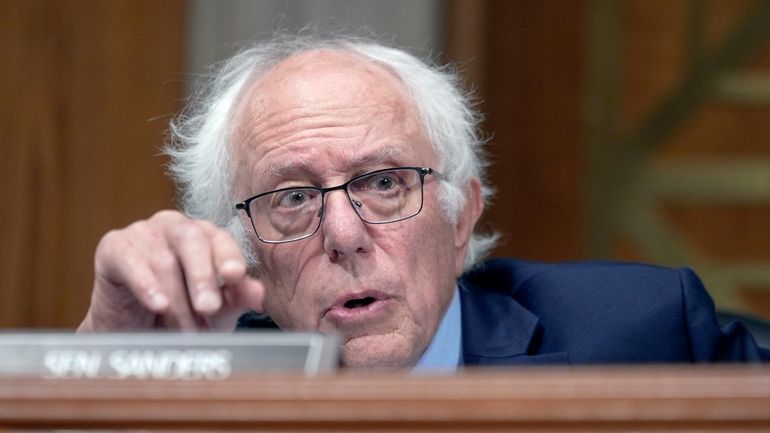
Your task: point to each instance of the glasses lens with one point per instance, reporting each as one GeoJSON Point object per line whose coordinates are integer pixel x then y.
{"type": "Point", "coordinates": [286, 215]}
{"type": "Point", "coordinates": [387, 196]}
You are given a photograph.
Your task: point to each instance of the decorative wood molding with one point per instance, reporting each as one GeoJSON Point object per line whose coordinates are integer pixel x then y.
{"type": "Point", "coordinates": [561, 399]}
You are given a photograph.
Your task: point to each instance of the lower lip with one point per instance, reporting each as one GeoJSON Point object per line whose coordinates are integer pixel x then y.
{"type": "Point", "coordinates": [354, 317]}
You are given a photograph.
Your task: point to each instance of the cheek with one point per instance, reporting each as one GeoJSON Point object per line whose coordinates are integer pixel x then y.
{"type": "Point", "coordinates": [276, 277]}
{"type": "Point", "coordinates": [280, 264]}
{"type": "Point", "coordinates": [287, 300]}
{"type": "Point", "coordinates": [290, 312]}
{"type": "Point", "coordinates": [428, 268]}
{"type": "Point", "coordinates": [435, 241]}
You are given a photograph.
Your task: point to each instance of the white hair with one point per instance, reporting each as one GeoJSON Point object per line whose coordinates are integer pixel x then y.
{"type": "Point", "coordinates": [198, 144]}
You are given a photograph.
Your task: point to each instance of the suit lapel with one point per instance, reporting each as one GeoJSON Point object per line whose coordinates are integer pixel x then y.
{"type": "Point", "coordinates": [498, 330]}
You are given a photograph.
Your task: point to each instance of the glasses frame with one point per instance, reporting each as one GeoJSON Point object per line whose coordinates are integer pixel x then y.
{"type": "Point", "coordinates": [422, 171]}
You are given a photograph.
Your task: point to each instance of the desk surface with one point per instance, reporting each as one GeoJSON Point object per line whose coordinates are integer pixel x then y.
{"type": "Point", "coordinates": [523, 399]}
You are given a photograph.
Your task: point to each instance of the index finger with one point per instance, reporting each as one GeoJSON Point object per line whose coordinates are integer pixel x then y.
{"type": "Point", "coordinates": [229, 261]}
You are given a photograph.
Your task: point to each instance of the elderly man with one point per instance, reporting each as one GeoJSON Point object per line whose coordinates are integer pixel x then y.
{"type": "Point", "coordinates": [335, 186]}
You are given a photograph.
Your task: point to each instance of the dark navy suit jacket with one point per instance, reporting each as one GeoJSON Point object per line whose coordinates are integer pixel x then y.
{"type": "Point", "coordinates": [517, 312]}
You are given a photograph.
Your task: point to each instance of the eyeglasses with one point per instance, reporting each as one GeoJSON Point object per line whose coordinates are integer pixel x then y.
{"type": "Point", "coordinates": [378, 197]}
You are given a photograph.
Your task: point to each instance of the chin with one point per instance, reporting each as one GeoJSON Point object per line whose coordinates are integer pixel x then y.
{"type": "Point", "coordinates": [379, 352]}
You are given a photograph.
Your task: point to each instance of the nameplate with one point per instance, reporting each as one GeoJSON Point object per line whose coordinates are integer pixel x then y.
{"type": "Point", "coordinates": [165, 356]}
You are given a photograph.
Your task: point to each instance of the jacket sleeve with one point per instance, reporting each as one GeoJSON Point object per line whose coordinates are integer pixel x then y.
{"type": "Point", "coordinates": [709, 343]}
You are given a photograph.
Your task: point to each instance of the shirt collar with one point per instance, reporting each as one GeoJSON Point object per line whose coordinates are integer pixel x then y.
{"type": "Point", "coordinates": [444, 354]}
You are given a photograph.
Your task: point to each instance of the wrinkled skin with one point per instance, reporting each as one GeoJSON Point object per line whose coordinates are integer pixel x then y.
{"type": "Point", "coordinates": [317, 118]}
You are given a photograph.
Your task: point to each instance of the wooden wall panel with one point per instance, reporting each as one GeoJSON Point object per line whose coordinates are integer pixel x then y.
{"type": "Point", "coordinates": [530, 62]}
{"type": "Point", "coordinates": [87, 90]}
{"type": "Point", "coordinates": [526, 60]}
{"type": "Point", "coordinates": [721, 130]}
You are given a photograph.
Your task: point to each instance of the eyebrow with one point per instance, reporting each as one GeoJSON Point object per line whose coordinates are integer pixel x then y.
{"type": "Point", "coordinates": [382, 154]}
{"type": "Point", "coordinates": [289, 170]}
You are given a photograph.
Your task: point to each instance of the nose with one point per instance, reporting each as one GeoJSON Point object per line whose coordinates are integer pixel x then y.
{"type": "Point", "coordinates": [345, 234]}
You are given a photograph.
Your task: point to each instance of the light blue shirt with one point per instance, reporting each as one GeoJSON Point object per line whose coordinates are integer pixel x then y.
{"type": "Point", "coordinates": [444, 354]}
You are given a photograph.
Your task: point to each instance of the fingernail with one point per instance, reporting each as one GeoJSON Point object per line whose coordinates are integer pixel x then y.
{"type": "Point", "coordinates": [232, 267]}
{"type": "Point", "coordinates": [158, 301]}
{"type": "Point", "coordinates": [207, 302]}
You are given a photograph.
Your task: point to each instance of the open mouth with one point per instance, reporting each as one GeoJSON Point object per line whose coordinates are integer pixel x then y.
{"type": "Point", "coordinates": [359, 309]}
{"type": "Point", "coordinates": [359, 302]}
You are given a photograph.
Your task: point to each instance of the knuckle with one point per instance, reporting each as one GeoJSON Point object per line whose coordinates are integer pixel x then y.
{"type": "Point", "coordinates": [207, 225]}
{"type": "Point", "coordinates": [188, 232]}
{"type": "Point", "coordinates": [110, 238]}
{"type": "Point", "coordinates": [111, 243]}
{"type": "Point", "coordinates": [199, 274]}
{"type": "Point", "coordinates": [164, 261]}
{"type": "Point", "coordinates": [166, 214]}
{"type": "Point", "coordinates": [140, 228]}
{"type": "Point", "coordinates": [224, 238]}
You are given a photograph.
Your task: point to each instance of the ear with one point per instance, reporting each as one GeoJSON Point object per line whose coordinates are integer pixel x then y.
{"type": "Point", "coordinates": [469, 216]}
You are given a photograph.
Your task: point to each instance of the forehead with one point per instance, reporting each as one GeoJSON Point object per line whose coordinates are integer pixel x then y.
{"type": "Point", "coordinates": [327, 77]}
{"type": "Point", "coordinates": [311, 101]}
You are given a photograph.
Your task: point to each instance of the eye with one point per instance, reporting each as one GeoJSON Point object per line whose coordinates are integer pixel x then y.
{"type": "Point", "coordinates": [382, 182]}
{"type": "Point", "coordinates": [293, 198]}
